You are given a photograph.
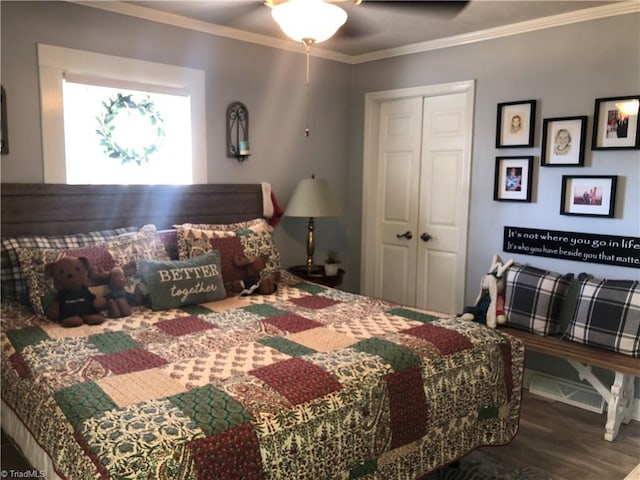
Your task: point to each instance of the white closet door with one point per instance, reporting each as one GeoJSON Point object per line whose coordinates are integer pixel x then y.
{"type": "Point", "coordinates": [398, 188]}
{"type": "Point", "coordinates": [443, 203]}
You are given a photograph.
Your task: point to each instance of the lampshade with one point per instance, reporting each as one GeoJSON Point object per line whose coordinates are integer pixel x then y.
{"type": "Point", "coordinates": [313, 20]}
{"type": "Point", "coordinates": [312, 198]}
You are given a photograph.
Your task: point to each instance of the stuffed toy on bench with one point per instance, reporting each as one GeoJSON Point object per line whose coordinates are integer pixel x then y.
{"type": "Point", "coordinates": [489, 306]}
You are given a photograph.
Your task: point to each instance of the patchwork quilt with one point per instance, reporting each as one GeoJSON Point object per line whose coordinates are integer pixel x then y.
{"type": "Point", "coordinates": [308, 383]}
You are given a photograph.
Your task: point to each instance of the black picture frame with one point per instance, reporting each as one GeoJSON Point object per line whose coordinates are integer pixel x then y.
{"type": "Point", "coordinates": [588, 195]}
{"type": "Point", "coordinates": [4, 136]}
{"type": "Point", "coordinates": [615, 123]}
{"type": "Point", "coordinates": [515, 124]}
{"type": "Point", "coordinates": [513, 179]}
{"type": "Point", "coordinates": [563, 141]}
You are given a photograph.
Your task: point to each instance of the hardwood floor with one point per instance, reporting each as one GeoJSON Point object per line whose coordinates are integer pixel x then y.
{"type": "Point", "coordinates": [565, 441]}
{"type": "Point", "coordinates": [568, 442]}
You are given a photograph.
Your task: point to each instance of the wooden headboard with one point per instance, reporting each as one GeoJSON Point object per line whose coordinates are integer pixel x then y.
{"type": "Point", "coordinates": [54, 209]}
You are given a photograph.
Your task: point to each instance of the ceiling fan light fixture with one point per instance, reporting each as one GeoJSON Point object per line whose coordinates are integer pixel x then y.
{"type": "Point", "coordinates": [309, 21]}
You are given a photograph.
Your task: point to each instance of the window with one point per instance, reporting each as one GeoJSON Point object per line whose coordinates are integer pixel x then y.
{"type": "Point", "coordinates": [103, 124]}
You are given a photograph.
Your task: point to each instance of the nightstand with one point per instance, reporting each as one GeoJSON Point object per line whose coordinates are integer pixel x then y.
{"type": "Point", "coordinates": [317, 275]}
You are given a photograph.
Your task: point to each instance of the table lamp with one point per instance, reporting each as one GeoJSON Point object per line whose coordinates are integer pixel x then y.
{"type": "Point", "coordinates": [312, 198]}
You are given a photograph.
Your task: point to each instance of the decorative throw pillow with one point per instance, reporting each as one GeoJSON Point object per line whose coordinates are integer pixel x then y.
{"type": "Point", "coordinates": [195, 241]}
{"type": "Point", "coordinates": [261, 243]}
{"type": "Point", "coordinates": [40, 286]}
{"type": "Point", "coordinates": [169, 238]}
{"type": "Point", "coordinates": [607, 315]}
{"type": "Point", "coordinates": [534, 299]}
{"type": "Point", "coordinates": [175, 283]}
{"type": "Point", "coordinates": [229, 247]}
{"type": "Point", "coordinates": [13, 282]}
{"type": "Point", "coordinates": [143, 244]}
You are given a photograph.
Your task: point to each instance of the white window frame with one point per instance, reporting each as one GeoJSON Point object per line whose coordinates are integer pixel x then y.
{"type": "Point", "coordinates": [54, 61]}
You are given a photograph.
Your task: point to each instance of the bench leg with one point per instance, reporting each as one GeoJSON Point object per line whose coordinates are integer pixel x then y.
{"type": "Point", "coordinates": [619, 399]}
{"type": "Point", "coordinates": [620, 404]}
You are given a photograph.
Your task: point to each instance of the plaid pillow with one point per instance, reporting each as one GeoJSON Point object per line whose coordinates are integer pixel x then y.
{"type": "Point", "coordinates": [534, 299]}
{"type": "Point", "coordinates": [12, 280]}
{"type": "Point", "coordinates": [607, 315]}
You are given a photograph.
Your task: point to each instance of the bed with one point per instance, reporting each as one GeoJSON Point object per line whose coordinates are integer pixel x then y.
{"type": "Point", "coordinates": [307, 383]}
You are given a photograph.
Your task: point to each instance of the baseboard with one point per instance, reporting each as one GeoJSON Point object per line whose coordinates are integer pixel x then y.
{"type": "Point", "coordinates": [530, 374]}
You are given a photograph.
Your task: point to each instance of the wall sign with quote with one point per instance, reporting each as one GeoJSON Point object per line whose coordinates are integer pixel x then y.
{"type": "Point", "coordinates": [622, 251]}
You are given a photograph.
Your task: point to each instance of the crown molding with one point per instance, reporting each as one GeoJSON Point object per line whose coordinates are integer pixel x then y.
{"type": "Point", "coordinates": [209, 28]}
{"type": "Point", "coordinates": [577, 16]}
{"type": "Point", "coordinates": [588, 14]}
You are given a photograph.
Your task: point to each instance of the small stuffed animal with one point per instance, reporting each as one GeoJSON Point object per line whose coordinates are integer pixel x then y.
{"type": "Point", "coordinates": [117, 298]}
{"type": "Point", "coordinates": [123, 292]}
{"type": "Point", "coordinates": [74, 304]}
{"type": "Point", "coordinates": [254, 281]}
{"type": "Point", "coordinates": [489, 306]}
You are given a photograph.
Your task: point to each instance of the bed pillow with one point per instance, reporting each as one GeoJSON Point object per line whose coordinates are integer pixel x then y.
{"type": "Point", "coordinates": [262, 243]}
{"type": "Point", "coordinates": [13, 282]}
{"type": "Point", "coordinates": [607, 315]}
{"type": "Point", "coordinates": [40, 286]}
{"type": "Point", "coordinates": [143, 244]}
{"type": "Point", "coordinates": [255, 225]}
{"type": "Point", "coordinates": [196, 241]}
{"type": "Point", "coordinates": [176, 283]}
{"type": "Point", "coordinates": [534, 299]}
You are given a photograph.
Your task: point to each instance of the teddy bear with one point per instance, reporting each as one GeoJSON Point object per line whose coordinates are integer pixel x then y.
{"type": "Point", "coordinates": [489, 306]}
{"type": "Point", "coordinates": [254, 280]}
{"type": "Point", "coordinates": [122, 295]}
{"type": "Point", "coordinates": [74, 304]}
{"type": "Point", "coordinates": [117, 302]}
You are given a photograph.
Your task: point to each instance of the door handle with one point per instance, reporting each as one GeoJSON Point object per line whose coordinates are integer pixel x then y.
{"type": "Point", "coordinates": [425, 237]}
{"type": "Point", "coordinates": [406, 235]}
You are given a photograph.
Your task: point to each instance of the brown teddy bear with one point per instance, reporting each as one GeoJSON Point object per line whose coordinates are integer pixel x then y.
{"type": "Point", "coordinates": [119, 299]}
{"type": "Point", "coordinates": [254, 281]}
{"type": "Point", "coordinates": [74, 303]}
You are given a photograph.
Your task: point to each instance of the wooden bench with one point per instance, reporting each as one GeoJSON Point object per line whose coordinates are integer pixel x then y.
{"type": "Point", "coordinates": [583, 357]}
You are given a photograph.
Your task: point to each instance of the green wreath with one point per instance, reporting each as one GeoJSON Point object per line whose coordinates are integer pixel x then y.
{"type": "Point", "coordinates": [106, 128]}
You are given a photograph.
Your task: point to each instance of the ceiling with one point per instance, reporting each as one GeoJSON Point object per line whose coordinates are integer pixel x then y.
{"type": "Point", "coordinates": [376, 26]}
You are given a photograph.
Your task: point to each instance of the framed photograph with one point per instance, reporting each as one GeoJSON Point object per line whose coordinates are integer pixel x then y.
{"type": "Point", "coordinates": [563, 141]}
{"type": "Point", "coordinates": [590, 195]}
{"type": "Point", "coordinates": [516, 123]}
{"type": "Point", "coordinates": [4, 139]}
{"type": "Point", "coordinates": [615, 123]}
{"type": "Point", "coordinates": [513, 179]}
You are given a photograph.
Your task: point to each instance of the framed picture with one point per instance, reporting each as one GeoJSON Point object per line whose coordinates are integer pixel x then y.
{"type": "Point", "coordinates": [4, 139]}
{"type": "Point", "coordinates": [516, 123]}
{"type": "Point", "coordinates": [590, 195]}
{"type": "Point", "coordinates": [513, 179]}
{"type": "Point", "coordinates": [615, 123]}
{"type": "Point", "coordinates": [563, 141]}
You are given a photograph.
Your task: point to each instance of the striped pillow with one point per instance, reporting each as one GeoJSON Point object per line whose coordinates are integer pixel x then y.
{"type": "Point", "coordinates": [534, 299]}
{"type": "Point", "coordinates": [607, 315]}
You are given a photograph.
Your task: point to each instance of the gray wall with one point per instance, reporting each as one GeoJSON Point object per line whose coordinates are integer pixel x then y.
{"type": "Point", "coordinates": [270, 82]}
{"type": "Point", "coordinates": [563, 68]}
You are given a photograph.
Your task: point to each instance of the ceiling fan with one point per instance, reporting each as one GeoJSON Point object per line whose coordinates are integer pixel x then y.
{"type": "Point", "coordinates": [314, 21]}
